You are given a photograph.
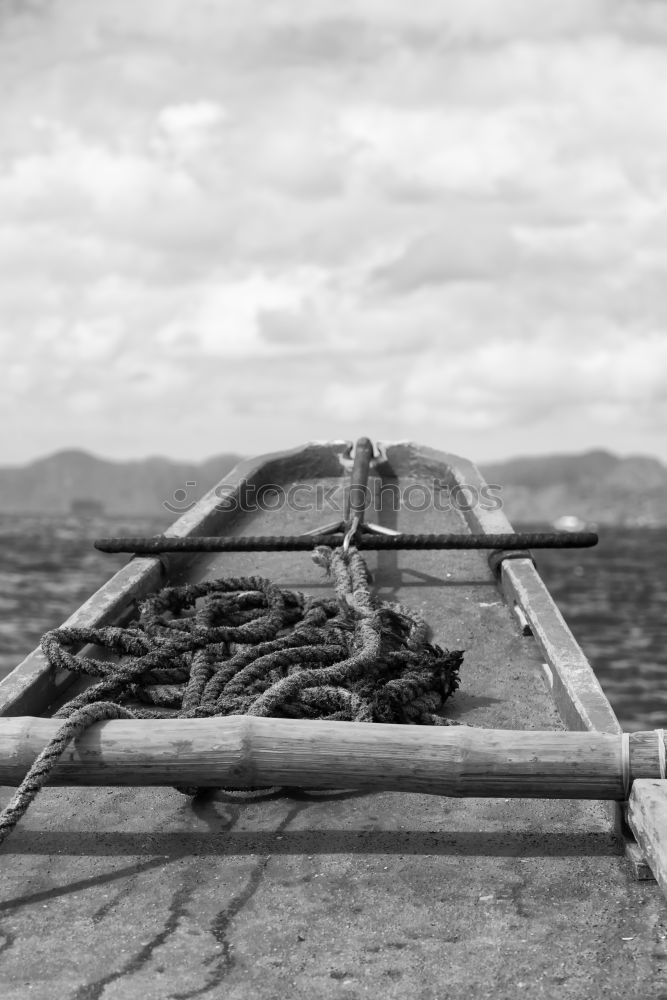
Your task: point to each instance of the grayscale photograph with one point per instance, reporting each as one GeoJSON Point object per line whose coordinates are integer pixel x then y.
{"type": "Point", "coordinates": [333, 500]}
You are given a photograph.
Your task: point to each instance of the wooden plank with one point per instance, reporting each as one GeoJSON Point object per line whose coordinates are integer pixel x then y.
{"type": "Point", "coordinates": [246, 750]}
{"type": "Point", "coordinates": [647, 818]}
{"type": "Point", "coordinates": [576, 690]}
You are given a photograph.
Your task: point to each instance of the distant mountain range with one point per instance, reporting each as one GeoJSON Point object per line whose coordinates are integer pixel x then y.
{"type": "Point", "coordinates": [596, 486]}
{"type": "Point", "coordinates": [77, 481]}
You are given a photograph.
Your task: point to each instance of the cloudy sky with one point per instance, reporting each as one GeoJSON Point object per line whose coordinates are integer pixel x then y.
{"type": "Point", "coordinates": [235, 226]}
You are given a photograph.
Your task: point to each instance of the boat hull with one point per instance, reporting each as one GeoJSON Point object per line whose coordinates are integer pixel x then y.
{"type": "Point", "coordinates": [123, 891]}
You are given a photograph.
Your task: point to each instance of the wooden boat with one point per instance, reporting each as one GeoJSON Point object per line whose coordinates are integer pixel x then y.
{"type": "Point", "coordinates": [518, 874]}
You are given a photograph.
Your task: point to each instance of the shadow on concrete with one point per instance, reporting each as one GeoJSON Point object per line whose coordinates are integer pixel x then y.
{"type": "Point", "coordinates": [79, 885]}
{"type": "Point", "coordinates": [176, 844]}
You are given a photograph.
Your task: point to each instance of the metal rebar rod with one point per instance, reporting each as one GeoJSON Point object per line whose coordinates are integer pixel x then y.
{"type": "Point", "coordinates": [364, 540]}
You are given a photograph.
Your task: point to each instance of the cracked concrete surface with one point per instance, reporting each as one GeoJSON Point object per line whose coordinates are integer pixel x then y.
{"type": "Point", "coordinates": [344, 895]}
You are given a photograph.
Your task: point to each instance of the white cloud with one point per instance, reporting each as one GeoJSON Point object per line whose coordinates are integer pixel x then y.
{"type": "Point", "coordinates": [225, 316]}
{"type": "Point", "coordinates": [185, 131]}
{"type": "Point", "coordinates": [91, 184]}
{"type": "Point", "coordinates": [484, 250]}
{"type": "Point", "coordinates": [515, 380]}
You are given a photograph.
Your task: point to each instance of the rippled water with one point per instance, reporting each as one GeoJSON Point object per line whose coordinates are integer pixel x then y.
{"type": "Point", "coordinates": [48, 567]}
{"type": "Point", "coordinates": [614, 598]}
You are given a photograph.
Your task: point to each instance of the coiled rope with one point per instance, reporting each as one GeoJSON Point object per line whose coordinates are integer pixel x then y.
{"type": "Point", "coordinates": [245, 646]}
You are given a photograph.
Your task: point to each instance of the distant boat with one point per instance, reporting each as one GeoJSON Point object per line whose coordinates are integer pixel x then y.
{"type": "Point", "coordinates": [569, 522]}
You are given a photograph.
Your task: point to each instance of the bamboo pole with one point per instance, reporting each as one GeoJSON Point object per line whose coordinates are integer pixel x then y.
{"type": "Point", "coordinates": [251, 751]}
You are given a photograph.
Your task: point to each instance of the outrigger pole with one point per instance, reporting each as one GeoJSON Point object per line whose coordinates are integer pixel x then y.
{"type": "Point", "coordinates": [254, 751]}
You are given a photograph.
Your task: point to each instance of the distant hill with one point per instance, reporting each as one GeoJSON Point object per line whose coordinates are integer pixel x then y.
{"type": "Point", "coordinates": [76, 480]}
{"type": "Point", "coordinates": [596, 486]}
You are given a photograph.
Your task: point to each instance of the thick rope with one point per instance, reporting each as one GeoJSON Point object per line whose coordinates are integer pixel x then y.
{"type": "Point", "coordinates": [244, 646]}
